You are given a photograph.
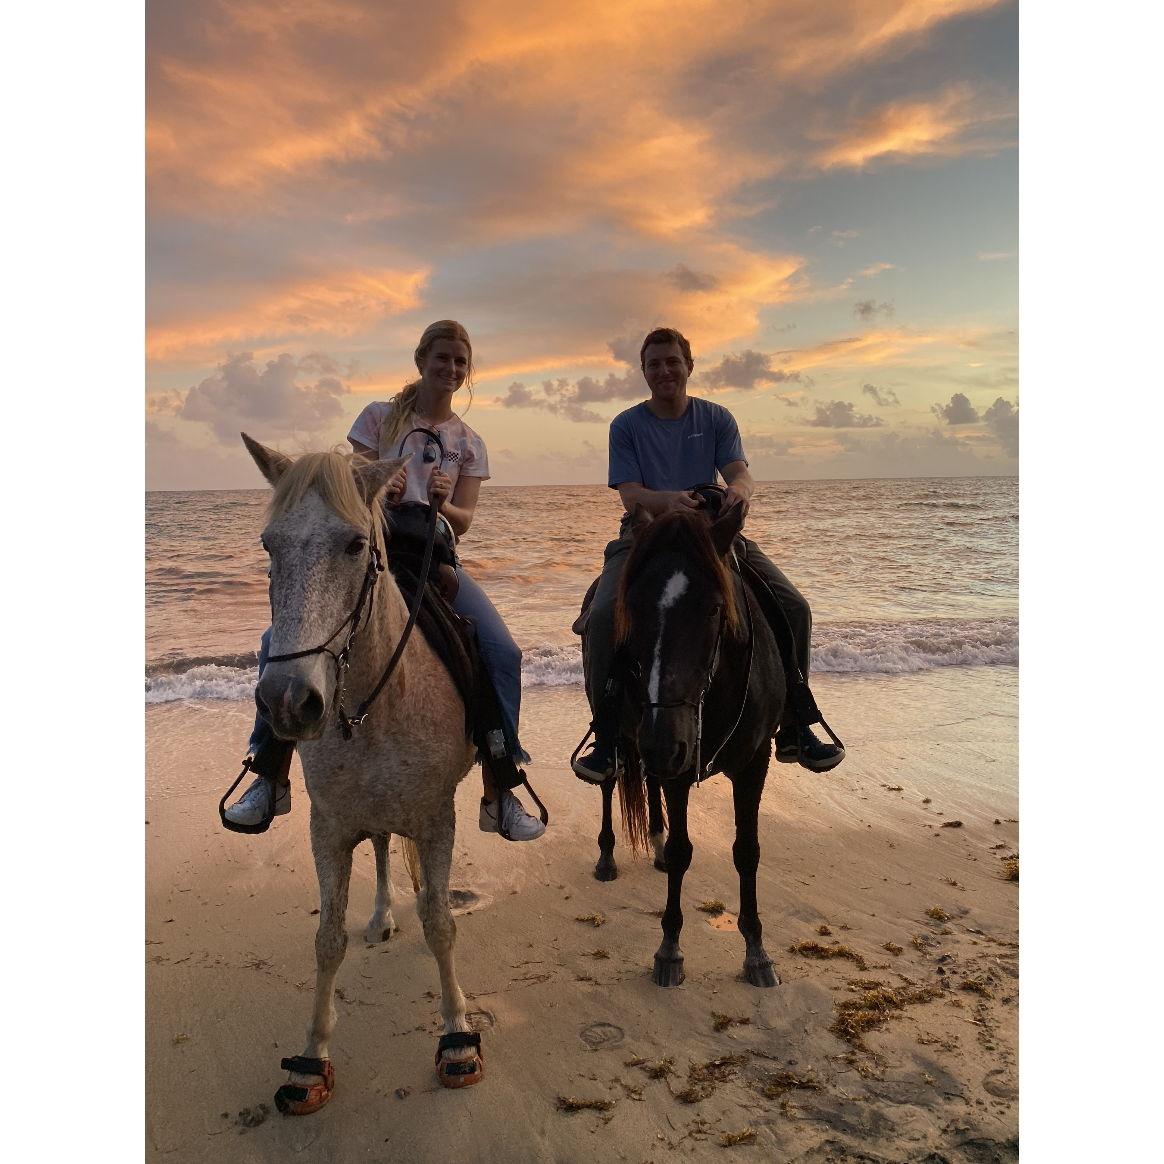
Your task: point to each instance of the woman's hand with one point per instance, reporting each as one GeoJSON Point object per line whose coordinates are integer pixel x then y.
{"type": "Point", "coordinates": [397, 483]}
{"type": "Point", "coordinates": [440, 485]}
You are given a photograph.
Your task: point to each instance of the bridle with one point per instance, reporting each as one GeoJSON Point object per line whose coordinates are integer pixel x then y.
{"type": "Point", "coordinates": [348, 723]}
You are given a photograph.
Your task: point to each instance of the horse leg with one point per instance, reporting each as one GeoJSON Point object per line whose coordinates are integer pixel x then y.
{"type": "Point", "coordinates": [383, 924]}
{"type": "Point", "coordinates": [606, 869]}
{"type": "Point", "coordinates": [440, 932]}
{"type": "Point", "coordinates": [655, 824]}
{"type": "Point", "coordinates": [305, 1092]}
{"type": "Point", "coordinates": [677, 855]}
{"type": "Point", "coordinates": [747, 788]}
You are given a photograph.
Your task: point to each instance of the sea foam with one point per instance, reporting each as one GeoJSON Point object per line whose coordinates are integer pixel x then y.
{"type": "Point", "coordinates": [874, 648]}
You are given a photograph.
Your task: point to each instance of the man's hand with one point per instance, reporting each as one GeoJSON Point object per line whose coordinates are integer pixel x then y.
{"type": "Point", "coordinates": [682, 502]}
{"type": "Point", "coordinates": [733, 496]}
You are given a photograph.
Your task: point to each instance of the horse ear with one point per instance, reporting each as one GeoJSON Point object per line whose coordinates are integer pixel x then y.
{"type": "Point", "coordinates": [271, 464]}
{"type": "Point", "coordinates": [640, 519]}
{"type": "Point", "coordinates": [373, 476]}
{"type": "Point", "coordinates": [724, 529]}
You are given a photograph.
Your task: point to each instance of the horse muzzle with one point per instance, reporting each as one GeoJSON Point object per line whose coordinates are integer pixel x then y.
{"type": "Point", "coordinates": [294, 707]}
{"type": "Point", "coordinates": [667, 744]}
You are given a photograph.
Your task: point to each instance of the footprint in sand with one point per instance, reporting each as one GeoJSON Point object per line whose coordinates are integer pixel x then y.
{"type": "Point", "coordinates": [599, 1036]}
{"type": "Point", "coordinates": [481, 1020]}
{"type": "Point", "coordinates": [1000, 1083]}
{"type": "Point", "coordinates": [461, 901]}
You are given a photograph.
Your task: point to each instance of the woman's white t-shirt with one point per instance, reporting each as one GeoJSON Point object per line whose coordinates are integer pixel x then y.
{"type": "Point", "coordinates": [464, 449]}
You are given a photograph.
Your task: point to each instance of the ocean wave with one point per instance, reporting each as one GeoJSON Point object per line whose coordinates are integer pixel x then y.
{"type": "Point", "coordinates": [880, 648]}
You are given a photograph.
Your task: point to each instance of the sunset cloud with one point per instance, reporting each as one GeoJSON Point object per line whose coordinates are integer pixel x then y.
{"type": "Point", "coordinates": [747, 369]}
{"type": "Point", "coordinates": [340, 305]}
{"type": "Point", "coordinates": [275, 398]}
{"type": "Point", "coordinates": [958, 411]}
{"type": "Point", "coordinates": [955, 122]}
{"type": "Point", "coordinates": [882, 397]}
{"type": "Point", "coordinates": [842, 414]}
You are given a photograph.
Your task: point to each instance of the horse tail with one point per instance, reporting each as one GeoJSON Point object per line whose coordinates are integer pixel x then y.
{"type": "Point", "coordinates": [632, 798]}
{"type": "Point", "coordinates": [411, 861]}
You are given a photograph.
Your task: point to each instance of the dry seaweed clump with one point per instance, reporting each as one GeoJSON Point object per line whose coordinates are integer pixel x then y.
{"type": "Point", "coordinates": [978, 986]}
{"type": "Point", "coordinates": [873, 1007]}
{"type": "Point", "coordinates": [730, 1139]}
{"type": "Point", "coordinates": [599, 954]}
{"type": "Point", "coordinates": [836, 950]}
{"type": "Point", "coordinates": [892, 947]}
{"type": "Point", "coordinates": [937, 913]}
{"type": "Point", "coordinates": [778, 1083]}
{"type": "Point", "coordinates": [721, 1022]}
{"type": "Point", "coordinates": [657, 1069]}
{"type": "Point", "coordinates": [703, 1077]}
{"type": "Point", "coordinates": [951, 824]}
{"type": "Point", "coordinates": [593, 919]}
{"type": "Point", "coordinates": [712, 908]}
{"type": "Point", "coordinates": [824, 931]}
{"type": "Point", "coordinates": [1010, 868]}
{"type": "Point", "coordinates": [570, 1104]}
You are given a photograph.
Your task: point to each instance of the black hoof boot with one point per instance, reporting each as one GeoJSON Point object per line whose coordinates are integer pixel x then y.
{"type": "Point", "coordinates": [668, 971]}
{"type": "Point", "coordinates": [606, 869]}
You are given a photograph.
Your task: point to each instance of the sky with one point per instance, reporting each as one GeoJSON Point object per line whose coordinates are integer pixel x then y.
{"type": "Point", "coordinates": [821, 194]}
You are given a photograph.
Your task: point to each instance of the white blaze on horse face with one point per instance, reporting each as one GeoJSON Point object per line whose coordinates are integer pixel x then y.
{"type": "Point", "coordinates": [672, 592]}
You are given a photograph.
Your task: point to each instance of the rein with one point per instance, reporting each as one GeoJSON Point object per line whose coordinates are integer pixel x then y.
{"type": "Point", "coordinates": [348, 723]}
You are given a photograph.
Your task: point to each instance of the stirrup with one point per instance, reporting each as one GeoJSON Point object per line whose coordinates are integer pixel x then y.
{"type": "Point", "coordinates": [543, 812]}
{"type": "Point", "coordinates": [262, 825]}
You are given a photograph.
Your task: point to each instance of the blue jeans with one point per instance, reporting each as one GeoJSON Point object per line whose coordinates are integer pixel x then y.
{"type": "Point", "coordinates": [500, 654]}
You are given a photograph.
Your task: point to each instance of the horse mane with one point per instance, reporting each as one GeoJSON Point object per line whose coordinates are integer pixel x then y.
{"type": "Point", "coordinates": [330, 475]}
{"type": "Point", "coordinates": [689, 533]}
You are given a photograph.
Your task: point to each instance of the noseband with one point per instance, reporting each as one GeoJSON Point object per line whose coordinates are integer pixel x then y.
{"type": "Point", "coordinates": [348, 723]}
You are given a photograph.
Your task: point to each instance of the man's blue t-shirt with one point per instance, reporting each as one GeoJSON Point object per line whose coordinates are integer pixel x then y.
{"type": "Point", "coordinates": [673, 454]}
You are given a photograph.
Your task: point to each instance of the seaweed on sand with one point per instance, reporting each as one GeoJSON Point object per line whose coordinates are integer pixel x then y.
{"type": "Point", "coordinates": [836, 950]}
{"type": "Point", "coordinates": [873, 1007]}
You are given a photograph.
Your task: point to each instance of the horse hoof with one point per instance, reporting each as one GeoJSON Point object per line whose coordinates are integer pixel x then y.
{"type": "Point", "coordinates": [668, 971]}
{"type": "Point", "coordinates": [761, 973]}
{"type": "Point", "coordinates": [605, 871]}
{"type": "Point", "coordinates": [379, 931]}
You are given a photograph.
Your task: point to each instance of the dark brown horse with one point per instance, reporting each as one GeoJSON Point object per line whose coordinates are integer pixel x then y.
{"type": "Point", "coordinates": [705, 689]}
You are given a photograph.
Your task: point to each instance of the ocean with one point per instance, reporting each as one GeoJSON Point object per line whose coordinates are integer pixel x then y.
{"type": "Point", "coordinates": [902, 576]}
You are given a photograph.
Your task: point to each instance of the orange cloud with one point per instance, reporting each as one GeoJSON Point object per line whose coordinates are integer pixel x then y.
{"type": "Point", "coordinates": [341, 305]}
{"type": "Point", "coordinates": [883, 346]}
{"type": "Point", "coordinates": [946, 126]}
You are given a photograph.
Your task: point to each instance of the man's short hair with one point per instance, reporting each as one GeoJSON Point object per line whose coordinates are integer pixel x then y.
{"type": "Point", "coordinates": [666, 335]}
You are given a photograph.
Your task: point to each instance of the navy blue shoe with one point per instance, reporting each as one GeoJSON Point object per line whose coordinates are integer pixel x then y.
{"type": "Point", "coordinates": [800, 746]}
{"type": "Point", "coordinates": [597, 766]}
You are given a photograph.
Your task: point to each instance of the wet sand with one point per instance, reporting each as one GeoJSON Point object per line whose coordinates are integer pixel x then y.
{"type": "Point", "coordinates": [567, 1009]}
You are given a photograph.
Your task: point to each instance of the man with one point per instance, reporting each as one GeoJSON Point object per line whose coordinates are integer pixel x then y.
{"type": "Point", "coordinates": [659, 451]}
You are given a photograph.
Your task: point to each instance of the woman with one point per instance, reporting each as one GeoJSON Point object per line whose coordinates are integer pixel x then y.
{"type": "Point", "coordinates": [444, 359]}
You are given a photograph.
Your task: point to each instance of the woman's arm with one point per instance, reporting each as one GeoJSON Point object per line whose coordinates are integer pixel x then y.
{"type": "Point", "coordinates": [460, 506]}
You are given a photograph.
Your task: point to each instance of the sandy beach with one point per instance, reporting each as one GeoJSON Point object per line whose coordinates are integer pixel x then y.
{"type": "Point", "coordinates": [900, 1046]}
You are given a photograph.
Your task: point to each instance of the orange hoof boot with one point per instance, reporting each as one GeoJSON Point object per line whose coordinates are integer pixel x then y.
{"type": "Point", "coordinates": [297, 1099]}
{"type": "Point", "coordinates": [460, 1072]}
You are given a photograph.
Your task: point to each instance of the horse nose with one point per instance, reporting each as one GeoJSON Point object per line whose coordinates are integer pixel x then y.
{"type": "Point", "coordinates": [292, 706]}
{"type": "Point", "coordinates": [664, 755]}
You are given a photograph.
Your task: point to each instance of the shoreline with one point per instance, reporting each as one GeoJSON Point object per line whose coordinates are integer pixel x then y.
{"type": "Point", "coordinates": [230, 962]}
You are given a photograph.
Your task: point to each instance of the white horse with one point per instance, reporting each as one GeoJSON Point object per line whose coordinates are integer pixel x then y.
{"type": "Point", "coordinates": [398, 772]}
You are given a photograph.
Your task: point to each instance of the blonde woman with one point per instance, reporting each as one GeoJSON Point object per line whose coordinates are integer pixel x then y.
{"type": "Point", "coordinates": [444, 361]}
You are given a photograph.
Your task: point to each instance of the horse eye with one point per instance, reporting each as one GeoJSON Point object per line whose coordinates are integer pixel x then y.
{"type": "Point", "coordinates": [356, 546]}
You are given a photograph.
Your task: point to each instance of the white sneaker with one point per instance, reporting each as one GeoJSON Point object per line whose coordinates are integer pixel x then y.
{"type": "Point", "coordinates": [251, 808]}
{"type": "Point", "coordinates": [519, 825]}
